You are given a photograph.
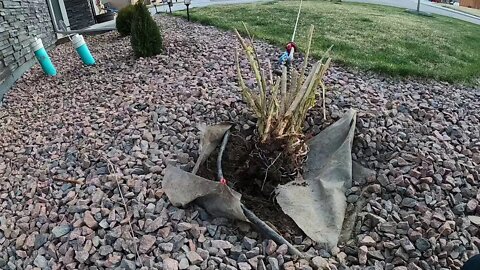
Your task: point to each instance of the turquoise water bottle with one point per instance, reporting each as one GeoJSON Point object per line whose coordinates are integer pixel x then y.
{"type": "Point", "coordinates": [42, 57]}
{"type": "Point", "coordinates": [82, 50]}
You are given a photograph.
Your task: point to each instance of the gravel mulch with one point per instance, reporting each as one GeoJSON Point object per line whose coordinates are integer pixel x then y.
{"type": "Point", "coordinates": [122, 121]}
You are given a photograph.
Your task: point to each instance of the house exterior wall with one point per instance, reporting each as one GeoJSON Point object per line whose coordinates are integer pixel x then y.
{"type": "Point", "coordinates": [79, 13]}
{"type": "Point", "coordinates": [20, 22]}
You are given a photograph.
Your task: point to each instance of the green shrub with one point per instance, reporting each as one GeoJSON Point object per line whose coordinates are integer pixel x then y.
{"type": "Point", "coordinates": [124, 20]}
{"type": "Point", "coordinates": [145, 35]}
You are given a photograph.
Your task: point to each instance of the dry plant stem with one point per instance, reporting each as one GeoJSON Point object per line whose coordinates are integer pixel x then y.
{"type": "Point", "coordinates": [111, 169]}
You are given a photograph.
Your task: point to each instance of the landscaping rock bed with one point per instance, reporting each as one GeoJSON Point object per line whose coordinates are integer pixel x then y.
{"type": "Point", "coordinates": [120, 122]}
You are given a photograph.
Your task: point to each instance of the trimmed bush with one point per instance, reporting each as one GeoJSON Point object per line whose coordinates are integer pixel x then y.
{"type": "Point", "coordinates": [145, 35]}
{"type": "Point", "coordinates": [124, 20]}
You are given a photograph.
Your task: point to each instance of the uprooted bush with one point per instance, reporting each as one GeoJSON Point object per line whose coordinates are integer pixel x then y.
{"type": "Point", "coordinates": [145, 36]}
{"type": "Point", "coordinates": [124, 20]}
{"type": "Point", "coordinates": [281, 104]}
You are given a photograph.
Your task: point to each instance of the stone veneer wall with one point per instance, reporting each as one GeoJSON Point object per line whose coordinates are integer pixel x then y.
{"type": "Point", "coordinates": [20, 22]}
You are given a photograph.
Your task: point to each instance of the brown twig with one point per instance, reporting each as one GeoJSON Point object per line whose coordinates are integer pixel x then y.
{"type": "Point", "coordinates": [111, 169]}
{"type": "Point", "coordinates": [70, 181]}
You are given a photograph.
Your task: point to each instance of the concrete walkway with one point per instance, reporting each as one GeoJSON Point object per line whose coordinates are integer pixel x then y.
{"type": "Point", "coordinates": [425, 6]}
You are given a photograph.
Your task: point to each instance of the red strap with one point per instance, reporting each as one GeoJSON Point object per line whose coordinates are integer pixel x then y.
{"type": "Point", "coordinates": [223, 181]}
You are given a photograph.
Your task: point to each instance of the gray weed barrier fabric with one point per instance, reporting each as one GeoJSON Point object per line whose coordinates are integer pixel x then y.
{"type": "Point", "coordinates": [211, 137]}
{"type": "Point", "coordinates": [316, 201]}
{"type": "Point", "coordinates": [183, 187]}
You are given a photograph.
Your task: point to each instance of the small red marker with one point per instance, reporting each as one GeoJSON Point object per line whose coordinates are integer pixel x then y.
{"type": "Point", "coordinates": [223, 181]}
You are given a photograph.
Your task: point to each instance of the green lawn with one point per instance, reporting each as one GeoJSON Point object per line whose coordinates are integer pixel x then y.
{"type": "Point", "coordinates": [370, 37]}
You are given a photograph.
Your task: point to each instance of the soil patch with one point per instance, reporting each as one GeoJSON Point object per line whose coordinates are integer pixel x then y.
{"type": "Point", "coordinates": [255, 177]}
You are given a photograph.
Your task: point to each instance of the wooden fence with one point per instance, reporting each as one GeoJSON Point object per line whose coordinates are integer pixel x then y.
{"type": "Point", "coordinates": [470, 3]}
